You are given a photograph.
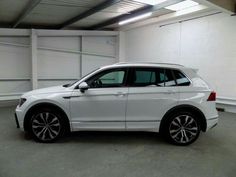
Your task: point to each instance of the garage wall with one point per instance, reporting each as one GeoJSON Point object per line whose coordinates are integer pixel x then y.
{"type": "Point", "coordinates": [208, 44]}
{"type": "Point", "coordinates": [15, 65]}
{"type": "Point", "coordinates": [104, 50]}
{"type": "Point", "coordinates": [57, 67]}
{"type": "Point", "coordinates": [61, 58]}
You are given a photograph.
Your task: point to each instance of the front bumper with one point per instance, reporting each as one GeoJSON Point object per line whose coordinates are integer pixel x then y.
{"type": "Point", "coordinates": [17, 122]}
{"type": "Point", "coordinates": [19, 118]}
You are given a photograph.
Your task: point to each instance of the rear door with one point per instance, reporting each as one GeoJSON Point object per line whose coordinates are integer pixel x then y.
{"type": "Point", "coordinates": [152, 91]}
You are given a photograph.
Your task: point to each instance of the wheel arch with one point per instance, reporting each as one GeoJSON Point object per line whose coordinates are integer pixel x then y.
{"type": "Point", "coordinates": [43, 105]}
{"type": "Point", "coordinates": [189, 108]}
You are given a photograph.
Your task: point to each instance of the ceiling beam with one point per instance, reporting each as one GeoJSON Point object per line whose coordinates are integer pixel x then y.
{"type": "Point", "coordinates": [89, 12]}
{"type": "Point", "coordinates": [29, 7]}
{"type": "Point", "coordinates": [226, 4]}
{"type": "Point", "coordinates": [134, 13]}
{"type": "Point", "coordinates": [121, 17]}
{"type": "Point", "coordinates": [5, 25]}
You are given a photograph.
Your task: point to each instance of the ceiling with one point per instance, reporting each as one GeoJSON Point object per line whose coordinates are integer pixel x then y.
{"type": "Point", "coordinates": [70, 14]}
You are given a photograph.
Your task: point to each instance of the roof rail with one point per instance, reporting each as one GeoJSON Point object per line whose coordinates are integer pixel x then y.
{"type": "Point", "coordinates": [120, 63]}
{"type": "Point", "coordinates": [174, 64]}
{"type": "Point", "coordinates": [169, 64]}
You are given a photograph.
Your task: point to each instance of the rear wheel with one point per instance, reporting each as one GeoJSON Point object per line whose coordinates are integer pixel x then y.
{"type": "Point", "coordinates": [182, 128]}
{"type": "Point", "coordinates": [46, 125]}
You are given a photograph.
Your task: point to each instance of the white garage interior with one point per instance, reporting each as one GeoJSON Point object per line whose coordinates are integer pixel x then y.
{"type": "Point", "coordinates": [47, 43]}
{"type": "Point", "coordinates": [39, 58]}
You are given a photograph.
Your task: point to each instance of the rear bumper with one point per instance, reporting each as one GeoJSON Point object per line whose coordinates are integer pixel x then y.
{"type": "Point", "coordinates": [212, 122]}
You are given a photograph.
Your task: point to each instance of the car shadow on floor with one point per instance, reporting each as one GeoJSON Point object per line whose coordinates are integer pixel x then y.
{"type": "Point", "coordinates": [113, 137]}
{"type": "Point", "coordinates": [104, 137]}
{"type": "Point", "coordinates": [208, 140]}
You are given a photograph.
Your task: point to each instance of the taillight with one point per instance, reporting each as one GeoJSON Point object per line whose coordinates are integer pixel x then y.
{"type": "Point", "coordinates": [212, 97]}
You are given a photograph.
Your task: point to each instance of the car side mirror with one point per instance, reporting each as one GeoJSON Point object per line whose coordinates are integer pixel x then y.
{"type": "Point", "coordinates": [83, 86]}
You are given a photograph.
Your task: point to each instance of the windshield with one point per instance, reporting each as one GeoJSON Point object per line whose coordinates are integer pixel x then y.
{"type": "Point", "coordinates": [70, 84]}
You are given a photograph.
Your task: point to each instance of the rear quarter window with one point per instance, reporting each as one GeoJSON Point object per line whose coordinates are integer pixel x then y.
{"type": "Point", "coordinates": [181, 79]}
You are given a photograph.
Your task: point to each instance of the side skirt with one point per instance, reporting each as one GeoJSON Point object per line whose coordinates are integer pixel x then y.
{"type": "Point", "coordinates": [151, 125]}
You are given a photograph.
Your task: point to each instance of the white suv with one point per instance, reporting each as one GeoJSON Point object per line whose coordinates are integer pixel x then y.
{"type": "Point", "coordinates": [166, 98]}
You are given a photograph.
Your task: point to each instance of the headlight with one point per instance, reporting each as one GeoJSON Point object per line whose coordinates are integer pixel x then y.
{"type": "Point", "coordinates": [21, 101]}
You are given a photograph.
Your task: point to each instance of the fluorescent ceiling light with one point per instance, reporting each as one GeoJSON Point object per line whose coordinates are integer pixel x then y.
{"type": "Point", "coordinates": [151, 2]}
{"type": "Point", "coordinates": [182, 5]}
{"type": "Point", "coordinates": [135, 18]}
{"type": "Point", "coordinates": [190, 10]}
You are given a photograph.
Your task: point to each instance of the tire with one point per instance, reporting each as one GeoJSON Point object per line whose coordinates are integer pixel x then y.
{"type": "Point", "coordinates": [46, 125]}
{"type": "Point", "coordinates": [182, 128]}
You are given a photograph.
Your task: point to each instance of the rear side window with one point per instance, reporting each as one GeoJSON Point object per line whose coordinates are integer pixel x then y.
{"type": "Point", "coordinates": [144, 77]}
{"type": "Point", "coordinates": [169, 78]}
{"type": "Point", "coordinates": [181, 79]}
{"type": "Point", "coordinates": [161, 77]}
{"type": "Point", "coordinates": [148, 77]}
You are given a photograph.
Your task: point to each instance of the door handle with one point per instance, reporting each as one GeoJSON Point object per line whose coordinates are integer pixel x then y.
{"type": "Point", "coordinates": [120, 94]}
{"type": "Point", "coordinates": [170, 92]}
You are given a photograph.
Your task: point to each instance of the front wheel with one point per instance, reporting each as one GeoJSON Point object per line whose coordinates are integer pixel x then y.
{"type": "Point", "coordinates": [46, 125]}
{"type": "Point", "coordinates": [182, 128]}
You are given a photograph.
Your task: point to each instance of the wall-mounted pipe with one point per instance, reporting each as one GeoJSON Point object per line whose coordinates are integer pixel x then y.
{"type": "Point", "coordinates": [57, 50]}
{"type": "Point", "coordinates": [75, 51]}
{"type": "Point", "coordinates": [189, 19]}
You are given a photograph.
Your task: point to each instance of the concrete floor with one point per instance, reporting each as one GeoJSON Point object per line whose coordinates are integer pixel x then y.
{"type": "Point", "coordinates": [117, 154]}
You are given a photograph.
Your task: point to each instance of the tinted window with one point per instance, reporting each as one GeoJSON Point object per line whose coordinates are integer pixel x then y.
{"type": "Point", "coordinates": [181, 79]}
{"type": "Point", "coordinates": [115, 77]}
{"type": "Point", "coordinates": [142, 77]}
{"type": "Point", "coordinates": [147, 77]}
{"type": "Point", "coordinates": [112, 78]}
{"type": "Point", "coordinates": [160, 77]}
{"type": "Point", "coordinates": [169, 78]}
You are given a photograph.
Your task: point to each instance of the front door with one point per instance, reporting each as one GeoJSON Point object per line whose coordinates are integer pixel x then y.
{"type": "Point", "coordinates": [103, 105]}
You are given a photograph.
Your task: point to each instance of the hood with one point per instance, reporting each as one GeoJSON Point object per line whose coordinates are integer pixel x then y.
{"type": "Point", "coordinates": [55, 89]}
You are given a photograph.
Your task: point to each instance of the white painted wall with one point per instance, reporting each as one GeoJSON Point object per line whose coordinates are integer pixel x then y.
{"type": "Point", "coordinates": [59, 57]}
{"type": "Point", "coordinates": [15, 64]}
{"type": "Point", "coordinates": [208, 44]}
{"type": "Point", "coordinates": [99, 45]}
{"type": "Point", "coordinates": [55, 64]}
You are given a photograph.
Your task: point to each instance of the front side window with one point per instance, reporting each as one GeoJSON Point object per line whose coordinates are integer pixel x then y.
{"type": "Point", "coordinates": [111, 78]}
